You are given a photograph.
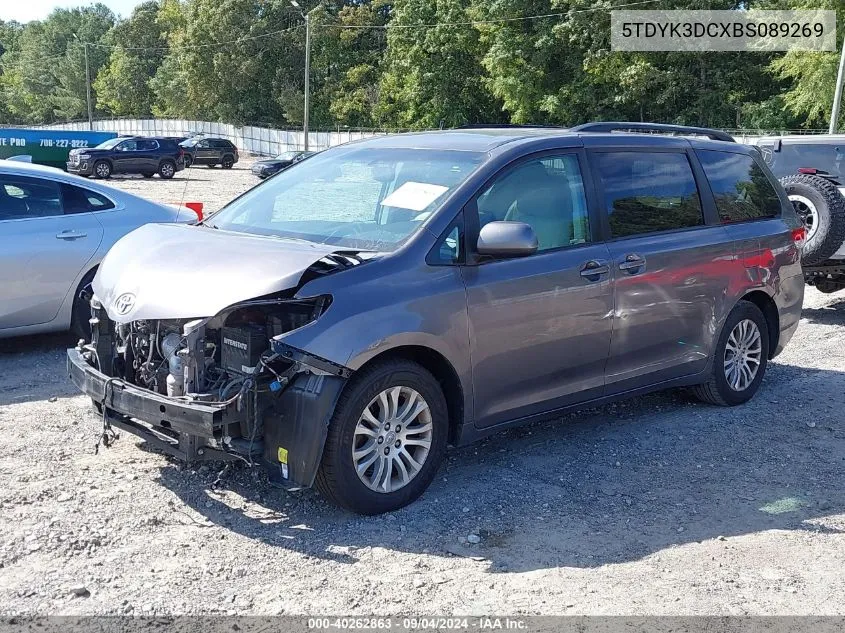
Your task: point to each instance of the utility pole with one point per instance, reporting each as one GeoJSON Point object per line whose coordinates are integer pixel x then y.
{"type": "Point", "coordinates": [88, 90]}
{"type": "Point", "coordinates": [87, 84]}
{"type": "Point", "coordinates": [837, 96]}
{"type": "Point", "coordinates": [307, 78]}
{"type": "Point", "coordinates": [307, 18]}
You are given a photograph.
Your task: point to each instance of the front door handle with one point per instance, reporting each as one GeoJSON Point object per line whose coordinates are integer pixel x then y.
{"type": "Point", "coordinates": [594, 268]}
{"type": "Point", "coordinates": [70, 235]}
{"type": "Point", "coordinates": [633, 263]}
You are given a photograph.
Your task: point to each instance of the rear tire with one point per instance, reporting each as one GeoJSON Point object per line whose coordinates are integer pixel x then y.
{"type": "Point", "coordinates": [81, 310]}
{"type": "Point", "coordinates": [718, 390]}
{"type": "Point", "coordinates": [822, 209]}
{"type": "Point", "coordinates": [167, 169]}
{"type": "Point", "coordinates": [227, 162]}
{"type": "Point", "coordinates": [338, 478]}
{"type": "Point", "coordinates": [102, 169]}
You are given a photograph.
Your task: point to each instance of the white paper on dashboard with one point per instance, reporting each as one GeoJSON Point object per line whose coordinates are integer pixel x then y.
{"type": "Point", "coordinates": [415, 196]}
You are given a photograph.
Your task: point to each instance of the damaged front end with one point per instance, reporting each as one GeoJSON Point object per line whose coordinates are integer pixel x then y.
{"type": "Point", "coordinates": [218, 388]}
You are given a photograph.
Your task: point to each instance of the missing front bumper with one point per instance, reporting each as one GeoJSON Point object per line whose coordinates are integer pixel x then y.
{"type": "Point", "coordinates": [295, 422]}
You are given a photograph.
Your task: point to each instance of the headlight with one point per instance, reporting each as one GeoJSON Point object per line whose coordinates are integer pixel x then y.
{"type": "Point", "coordinates": [83, 156]}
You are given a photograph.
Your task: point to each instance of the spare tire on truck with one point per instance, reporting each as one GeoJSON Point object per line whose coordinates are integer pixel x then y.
{"type": "Point", "coordinates": [822, 210]}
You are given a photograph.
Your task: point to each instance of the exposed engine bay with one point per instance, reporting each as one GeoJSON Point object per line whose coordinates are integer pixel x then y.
{"type": "Point", "coordinates": [231, 372]}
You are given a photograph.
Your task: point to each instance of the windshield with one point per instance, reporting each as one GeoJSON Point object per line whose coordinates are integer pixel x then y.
{"type": "Point", "coordinates": [356, 197]}
{"type": "Point", "coordinates": [829, 157]}
{"type": "Point", "coordinates": [111, 142]}
{"type": "Point", "coordinates": [286, 156]}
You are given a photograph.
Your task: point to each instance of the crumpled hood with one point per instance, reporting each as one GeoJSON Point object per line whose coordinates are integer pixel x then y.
{"type": "Point", "coordinates": [172, 271]}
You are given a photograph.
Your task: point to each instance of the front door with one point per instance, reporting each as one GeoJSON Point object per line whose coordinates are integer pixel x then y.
{"type": "Point", "coordinates": [44, 249]}
{"type": "Point", "coordinates": [205, 154]}
{"type": "Point", "coordinates": [127, 157]}
{"type": "Point", "coordinates": [671, 268]}
{"type": "Point", "coordinates": [541, 324]}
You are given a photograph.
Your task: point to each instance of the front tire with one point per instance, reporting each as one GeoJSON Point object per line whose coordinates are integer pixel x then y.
{"type": "Point", "coordinates": [386, 439]}
{"type": "Point", "coordinates": [81, 310]}
{"type": "Point", "coordinates": [188, 161]}
{"type": "Point", "coordinates": [102, 169]}
{"type": "Point", "coordinates": [740, 359]}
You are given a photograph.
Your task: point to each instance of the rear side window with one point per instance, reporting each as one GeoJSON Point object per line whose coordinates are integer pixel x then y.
{"type": "Point", "coordinates": [22, 197]}
{"type": "Point", "coordinates": [79, 200]}
{"type": "Point", "coordinates": [740, 187]}
{"type": "Point", "coordinates": [648, 192]}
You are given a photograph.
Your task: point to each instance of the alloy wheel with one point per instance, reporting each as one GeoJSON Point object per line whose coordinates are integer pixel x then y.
{"type": "Point", "coordinates": [808, 213]}
{"type": "Point", "coordinates": [743, 354]}
{"type": "Point", "coordinates": [167, 170]}
{"type": "Point", "coordinates": [103, 170]}
{"type": "Point", "coordinates": [392, 439]}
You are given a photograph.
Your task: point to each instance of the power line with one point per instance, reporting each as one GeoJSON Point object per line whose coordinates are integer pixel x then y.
{"type": "Point", "coordinates": [490, 21]}
{"type": "Point", "coordinates": [192, 46]}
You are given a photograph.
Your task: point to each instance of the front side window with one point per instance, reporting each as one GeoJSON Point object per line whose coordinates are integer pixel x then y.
{"type": "Point", "coordinates": [23, 198]}
{"type": "Point", "coordinates": [128, 146]}
{"type": "Point", "coordinates": [740, 188]}
{"type": "Point", "coordinates": [356, 197]}
{"type": "Point", "coordinates": [648, 192]}
{"type": "Point", "coordinates": [546, 193]}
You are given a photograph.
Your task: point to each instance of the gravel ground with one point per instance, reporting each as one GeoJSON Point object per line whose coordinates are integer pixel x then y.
{"type": "Point", "coordinates": [658, 505]}
{"type": "Point", "coordinates": [214, 187]}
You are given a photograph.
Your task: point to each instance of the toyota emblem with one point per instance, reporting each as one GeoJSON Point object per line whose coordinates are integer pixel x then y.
{"type": "Point", "coordinates": [124, 303]}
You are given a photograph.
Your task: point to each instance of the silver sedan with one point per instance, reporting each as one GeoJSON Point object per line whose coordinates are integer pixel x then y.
{"type": "Point", "coordinates": [55, 229]}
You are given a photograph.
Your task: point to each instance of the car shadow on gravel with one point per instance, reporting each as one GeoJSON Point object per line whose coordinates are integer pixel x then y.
{"type": "Point", "coordinates": [32, 368]}
{"type": "Point", "coordinates": [830, 314]}
{"type": "Point", "coordinates": [601, 486]}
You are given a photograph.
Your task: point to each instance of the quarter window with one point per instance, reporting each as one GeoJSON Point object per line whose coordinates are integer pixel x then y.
{"type": "Point", "coordinates": [546, 193]}
{"type": "Point", "coordinates": [22, 198]}
{"type": "Point", "coordinates": [741, 189]}
{"type": "Point", "coordinates": [648, 192]}
{"type": "Point", "coordinates": [79, 200]}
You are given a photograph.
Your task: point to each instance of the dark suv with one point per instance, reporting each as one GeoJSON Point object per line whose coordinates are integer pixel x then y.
{"type": "Point", "coordinates": [390, 296]}
{"type": "Point", "coordinates": [210, 152]}
{"type": "Point", "coordinates": [145, 155]}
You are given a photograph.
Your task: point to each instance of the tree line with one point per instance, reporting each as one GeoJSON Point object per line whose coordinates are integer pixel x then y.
{"type": "Point", "coordinates": [398, 64]}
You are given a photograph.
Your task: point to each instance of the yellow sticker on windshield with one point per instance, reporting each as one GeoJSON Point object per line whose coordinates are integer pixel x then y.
{"type": "Point", "coordinates": [283, 455]}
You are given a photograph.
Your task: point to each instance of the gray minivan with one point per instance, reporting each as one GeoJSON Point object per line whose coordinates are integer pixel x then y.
{"type": "Point", "coordinates": [344, 321]}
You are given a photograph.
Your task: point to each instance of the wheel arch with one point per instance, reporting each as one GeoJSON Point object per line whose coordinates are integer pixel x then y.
{"type": "Point", "coordinates": [770, 311]}
{"type": "Point", "coordinates": [442, 370]}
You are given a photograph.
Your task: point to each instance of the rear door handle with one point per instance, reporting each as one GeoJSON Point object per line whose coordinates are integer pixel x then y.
{"type": "Point", "coordinates": [594, 268]}
{"type": "Point", "coordinates": [632, 263]}
{"type": "Point", "coordinates": [70, 235]}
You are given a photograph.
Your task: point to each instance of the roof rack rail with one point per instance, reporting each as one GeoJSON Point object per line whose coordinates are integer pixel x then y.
{"type": "Point", "coordinates": [610, 126]}
{"type": "Point", "coordinates": [481, 126]}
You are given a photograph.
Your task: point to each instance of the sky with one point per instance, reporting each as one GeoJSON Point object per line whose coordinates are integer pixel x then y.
{"type": "Point", "coordinates": [26, 10]}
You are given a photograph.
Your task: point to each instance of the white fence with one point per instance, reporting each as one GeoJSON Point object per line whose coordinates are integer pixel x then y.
{"type": "Point", "coordinates": [247, 138]}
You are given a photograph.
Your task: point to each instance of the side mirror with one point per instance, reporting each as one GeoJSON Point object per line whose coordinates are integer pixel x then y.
{"type": "Point", "coordinates": [507, 239]}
